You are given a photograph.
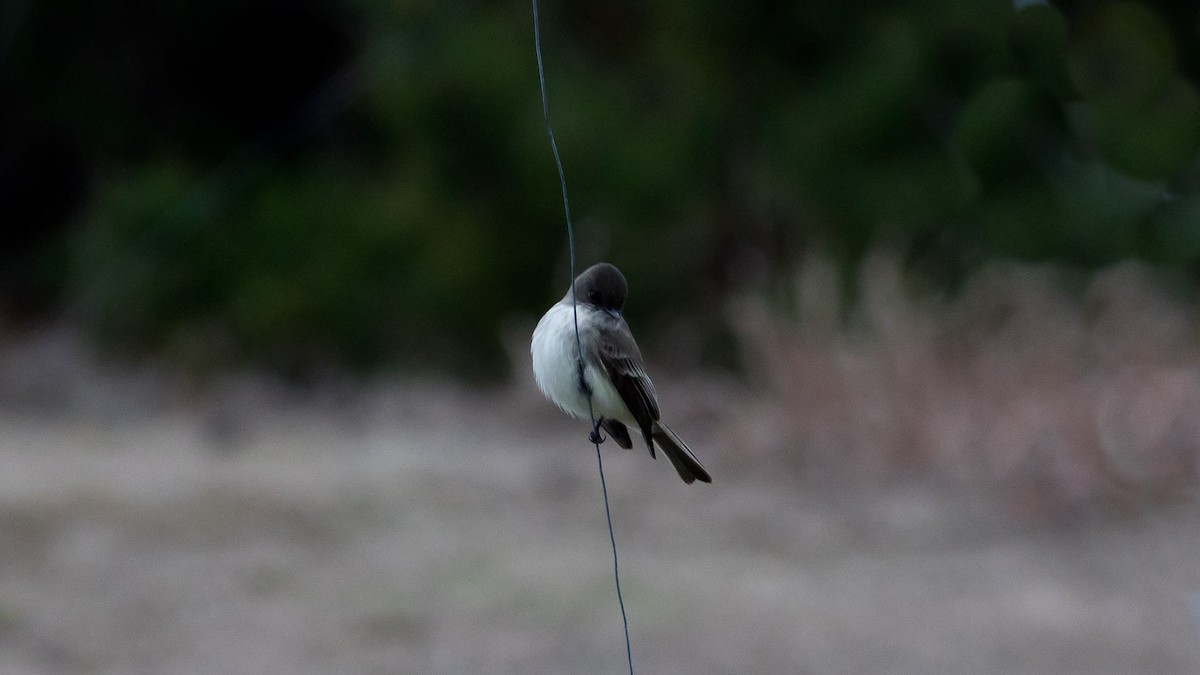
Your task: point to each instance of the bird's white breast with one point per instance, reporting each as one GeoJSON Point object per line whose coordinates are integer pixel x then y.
{"type": "Point", "coordinates": [555, 359]}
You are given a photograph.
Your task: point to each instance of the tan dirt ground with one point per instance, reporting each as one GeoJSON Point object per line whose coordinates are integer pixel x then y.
{"type": "Point", "coordinates": [412, 531]}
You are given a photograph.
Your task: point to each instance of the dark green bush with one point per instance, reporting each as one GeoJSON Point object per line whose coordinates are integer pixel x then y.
{"type": "Point", "coordinates": [363, 183]}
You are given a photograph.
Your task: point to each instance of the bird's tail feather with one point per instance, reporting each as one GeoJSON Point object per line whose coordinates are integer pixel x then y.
{"type": "Point", "coordinates": [685, 463]}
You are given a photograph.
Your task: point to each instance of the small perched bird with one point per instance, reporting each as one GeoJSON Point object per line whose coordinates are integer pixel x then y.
{"type": "Point", "coordinates": [611, 371]}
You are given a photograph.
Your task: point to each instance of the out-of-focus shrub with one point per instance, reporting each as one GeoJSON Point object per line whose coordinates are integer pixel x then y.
{"type": "Point", "coordinates": [1058, 403]}
{"type": "Point", "coordinates": [369, 182]}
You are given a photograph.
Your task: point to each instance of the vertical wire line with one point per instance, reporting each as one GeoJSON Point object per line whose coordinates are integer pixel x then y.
{"type": "Point", "coordinates": [562, 181]}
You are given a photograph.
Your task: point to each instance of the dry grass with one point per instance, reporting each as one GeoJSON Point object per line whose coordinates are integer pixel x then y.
{"type": "Point", "coordinates": [1061, 400]}
{"type": "Point", "coordinates": [418, 527]}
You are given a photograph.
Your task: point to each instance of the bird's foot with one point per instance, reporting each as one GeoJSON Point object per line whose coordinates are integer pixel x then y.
{"type": "Point", "coordinates": [595, 436]}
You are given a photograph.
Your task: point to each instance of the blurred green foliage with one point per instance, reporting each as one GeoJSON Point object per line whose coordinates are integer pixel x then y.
{"type": "Point", "coordinates": [368, 182]}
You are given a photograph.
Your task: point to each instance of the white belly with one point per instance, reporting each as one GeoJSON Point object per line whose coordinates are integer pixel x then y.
{"type": "Point", "coordinates": [555, 358]}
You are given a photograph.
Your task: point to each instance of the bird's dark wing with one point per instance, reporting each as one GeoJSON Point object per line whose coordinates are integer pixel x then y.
{"type": "Point", "coordinates": [622, 360]}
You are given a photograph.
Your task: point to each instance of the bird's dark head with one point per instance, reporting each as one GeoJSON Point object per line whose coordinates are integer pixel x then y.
{"type": "Point", "coordinates": [602, 285]}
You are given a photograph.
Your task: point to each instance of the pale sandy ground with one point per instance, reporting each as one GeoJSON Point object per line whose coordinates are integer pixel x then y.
{"type": "Point", "coordinates": [462, 533]}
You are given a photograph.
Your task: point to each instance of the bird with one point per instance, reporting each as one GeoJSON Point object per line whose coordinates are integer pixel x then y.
{"type": "Point", "coordinates": [606, 365]}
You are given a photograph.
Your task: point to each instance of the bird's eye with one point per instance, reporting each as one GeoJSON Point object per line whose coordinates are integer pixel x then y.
{"type": "Point", "coordinates": [593, 297]}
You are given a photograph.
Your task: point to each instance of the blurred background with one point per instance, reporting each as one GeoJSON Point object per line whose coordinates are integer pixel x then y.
{"type": "Point", "coordinates": [918, 282]}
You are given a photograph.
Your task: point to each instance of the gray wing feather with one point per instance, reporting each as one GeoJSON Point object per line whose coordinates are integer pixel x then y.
{"type": "Point", "coordinates": [622, 360]}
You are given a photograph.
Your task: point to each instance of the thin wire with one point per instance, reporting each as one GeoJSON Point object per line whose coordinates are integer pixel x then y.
{"type": "Point", "coordinates": [562, 181]}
